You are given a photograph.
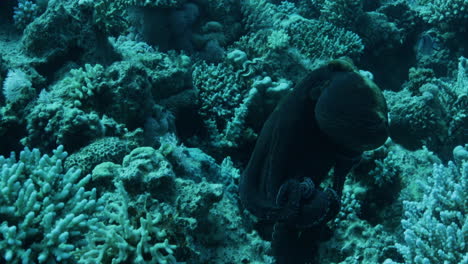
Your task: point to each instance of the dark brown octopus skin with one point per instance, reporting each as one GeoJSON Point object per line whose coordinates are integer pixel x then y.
{"type": "Point", "coordinates": [309, 132]}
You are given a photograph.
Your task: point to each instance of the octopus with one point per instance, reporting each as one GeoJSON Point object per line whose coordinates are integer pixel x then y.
{"type": "Point", "coordinates": [326, 122]}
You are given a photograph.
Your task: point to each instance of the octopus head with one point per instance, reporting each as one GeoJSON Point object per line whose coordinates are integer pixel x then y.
{"type": "Point", "coordinates": [352, 111]}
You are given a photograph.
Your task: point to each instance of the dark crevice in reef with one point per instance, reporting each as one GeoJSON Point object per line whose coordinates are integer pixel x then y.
{"type": "Point", "coordinates": [13, 132]}
{"type": "Point", "coordinates": [50, 68]}
{"type": "Point", "coordinates": [390, 68]}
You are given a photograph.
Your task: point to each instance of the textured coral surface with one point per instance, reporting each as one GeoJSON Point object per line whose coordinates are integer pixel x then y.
{"type": "Point", "coordinates": [126, 126]}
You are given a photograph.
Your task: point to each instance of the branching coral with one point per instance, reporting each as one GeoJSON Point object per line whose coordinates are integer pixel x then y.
{"type": "Point", "coordinates": [356, 240]}
{"type": "Point", "coordinates": [445, 13]}
{"type": "Point", "coordinates": [45, 210]}
{"type": "Point", "coordinates": [343, 13]}
{"type": "Point", "coordinates": [179, 189]}
{"type": "Point", "coordinates": [122, 237]}
{"type": "Point", "coordinates": [430, 111]}
{"type": "Point", "coordinates": [50, 124]}
{"type": "Point", "coordinates": [314, 39]}
{"type": "Point", "coordinates": [435, 226]}
{"type": "Point", "coordinates": [225, 102]}
{"type": "Point", "coordinates": [25, 12]}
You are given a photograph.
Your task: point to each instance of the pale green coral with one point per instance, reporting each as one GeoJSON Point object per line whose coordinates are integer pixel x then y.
{"type": "Point", "coordinates": [25, 12]}
{"type": "Point", "coordinates": [445, 13]}
{"type": "Point", "coordinates": [225, 102]}
{"type": "Point", "coordinates": [81, 85]}
{"type": "Point", "coordinates": [94, 101]}
{"type": "Point", "coordinates": [54, 123]}
{"type": "Point", "coordinates": [107, 15]}
{"type": "Point", "coordinates": [313, 38]}
{"type": "Point", "coordinates": [258, 14]}
{"type": "Point", "coordinates": [355, 240]}
{"type": "Point", "coordinates": [322, 40]}
{"type": "Point", "coordinates": [45, 210]}
{"type": "Point", "coordinates": [123, 237]}
{"type": "Point", "coordinates": [120, 4]}
{"type": "Point", "coordinates": [386, 170]}
{"type": "Point", "coordinates": [343, 13]}
{"type": "Point", "coordinates": [155, 203]}
{"type": "Point", "coordinates": [461, 84]}
{"type": "Point", "coordinates": [154, 3]}
{"type": "Point", "coordinates": [99, 151]}
{"type": "Point", "coordinates": [430, 111]}
{"type": "Point", "coordinates": [435, 226]}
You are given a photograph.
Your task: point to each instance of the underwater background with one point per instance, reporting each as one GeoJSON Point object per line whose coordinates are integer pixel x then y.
{"type": "Point", "coordinates": [125, 126]}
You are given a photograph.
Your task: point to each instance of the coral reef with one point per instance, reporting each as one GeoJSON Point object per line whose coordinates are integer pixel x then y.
{"type": "Point", "coordinates": [24, 13]}
{"type": "Point", "coordinates": [191, 213]}
{"type": "Point", "coordinates": [17, 86]}
{"type": "Point", "coordinates": [435, 226]}
{"type": "Point", "coordinates": [144, 213]}
{"type": "Point", "coordinates": [133, 120]}
{"type": "Point", "coordinates": [430, 111]}
{"type": "Point", "coordinates": [45, 210]}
